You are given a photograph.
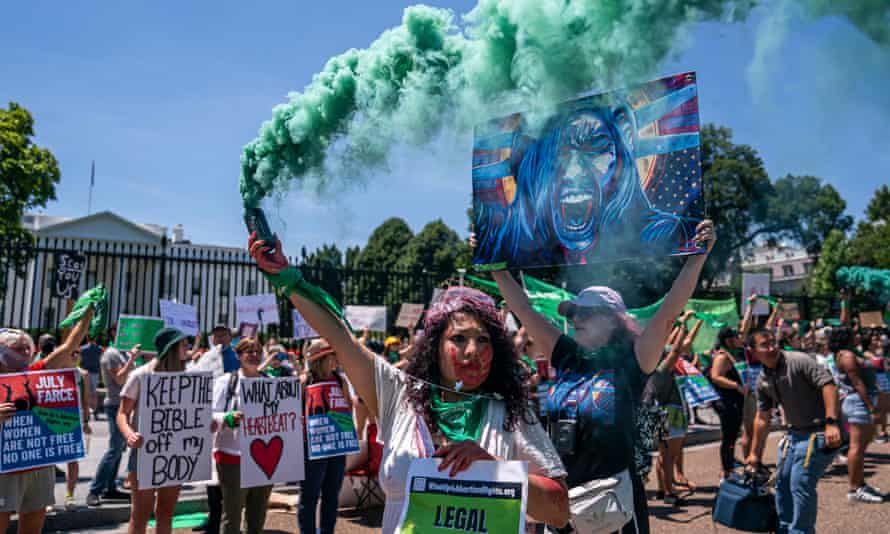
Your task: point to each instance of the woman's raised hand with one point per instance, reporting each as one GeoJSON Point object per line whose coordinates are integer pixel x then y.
{"type": "Point", "coordinates": [273, 262]}
{"type": "Point", "coordinates": [705, 233]}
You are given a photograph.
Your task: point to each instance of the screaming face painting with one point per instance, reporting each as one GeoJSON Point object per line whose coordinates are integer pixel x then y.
{"type": "Point", "coordinates": [608, 177]}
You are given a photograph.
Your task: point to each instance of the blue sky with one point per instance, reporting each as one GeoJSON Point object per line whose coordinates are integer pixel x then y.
{"type": "Point", "coordinates": [163, 97]}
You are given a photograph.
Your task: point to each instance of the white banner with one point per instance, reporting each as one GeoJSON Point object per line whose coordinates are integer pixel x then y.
{"type": "Point", "coordinates": [371, 317]}
{"type": "Point", "coordinates": [302, 330]}
{"type": "Point", "coordinates": [271, 431]}
{"type": "Point", "coordinates": [181, 316]}
{"type": "Point", "coordinates": [257, 309]}
{"type": "Point", "coordinates": [437, 294]}
{"type": "Point", "coordinates": [409, 314]}
{"type": "Point", "coordinates": [756, 284]}
{"type": "Point", "coordinates": [175, 412]}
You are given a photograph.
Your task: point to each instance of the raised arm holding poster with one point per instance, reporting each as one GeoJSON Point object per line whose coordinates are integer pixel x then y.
{"type": "Point", "coordinates": [756, 284]}
{"type": "Point", "coordinates": [609, 176]}
{"type": "Point", "coordinates": [487, 497]}
{"type": "Point", "coordinates": [181, 316]}
{"type": "Point", "coordinates": [175, 412]}
{"type": "Point", "coordinates": [409, 314]}
{"type": "Point", "coordinates": [371, 317]}
{"type": "Point", "coordinates": [330, 429]}
{"type": "Point", "coordinates": [271, 431]}
{"type": "Point", "coordinates": [46, 428]}
{"type": "Point", "coordinates": [135, 330]}
{"type": "Point", "coordinates": [257, 309]}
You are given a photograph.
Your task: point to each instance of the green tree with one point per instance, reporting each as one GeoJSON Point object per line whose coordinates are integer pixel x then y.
{"type": "Point", "coordinates": [832, 257]}
{"type": "Point", "coordinates": [808, 209]}
{"type": "Point", "coordinates": [433, 251]}
{"type": "Point", "coordinates": [879, 206]}
{"type": "Point", "coordinates": [870, 245]}
{"type": "Point", "coordinates": [368, 284]}
{"type": "Point", "coordinates": [28, 178]}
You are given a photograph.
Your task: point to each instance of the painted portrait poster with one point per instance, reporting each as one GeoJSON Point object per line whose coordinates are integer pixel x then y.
{"type": "Point", "coordinates": [606, 177]}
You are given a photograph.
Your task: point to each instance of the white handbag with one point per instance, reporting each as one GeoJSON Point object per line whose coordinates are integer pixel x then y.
{"type": "Point", "coordinates": [602, 506]}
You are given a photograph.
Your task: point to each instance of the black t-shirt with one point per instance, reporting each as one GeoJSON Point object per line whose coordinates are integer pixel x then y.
{"type": "Point", "coordinates": [90, 355]}
{"type": "Point", "coordinates": [606, 384]}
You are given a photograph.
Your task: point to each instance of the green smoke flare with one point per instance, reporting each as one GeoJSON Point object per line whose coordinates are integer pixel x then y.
{"type": "Point", "coordinates": [429, 73]}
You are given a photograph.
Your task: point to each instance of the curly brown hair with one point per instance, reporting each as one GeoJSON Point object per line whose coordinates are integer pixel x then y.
{"type": "Point", "coordinates": [507, 378]}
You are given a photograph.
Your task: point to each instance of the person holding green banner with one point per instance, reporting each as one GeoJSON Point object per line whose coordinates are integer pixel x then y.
{"type": "Point", "coordinates": [601, 374]}
{"type": "Point", "coordinates": [28, 493]}
{"type": "Point", "coordinates": [461, 399]}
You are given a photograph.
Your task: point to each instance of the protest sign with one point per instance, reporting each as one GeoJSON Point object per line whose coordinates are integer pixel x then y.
{"type": "Point", "coordinates": [789, 311]}
{"type": "Point", "coordinates": [175, 411]}
{"type": "Point", "coordinates": [641, 188]}
{"type": "Point", "coordinates": [371, 317]}
{"type": "Point", "coordinates": [409, 314]}
{"type": "Point", "coordinates": [181, 316]}
{"type": "Point", "coordinates": [696, 388]}
{"type": "Point", "coordinates": [69, 267]}
{"type": "Point", "coordinates": [487, 497]}
{"type": "Point", "coordinates": [257, 309]}
{"type": "Point", "coordinates": [302, 330]}
{"type": "Point", "coordinates": [756, 284]}
{"type": "Point", "coordinates": [437, 294]}
{"type": "Point", "coordinates": [271, 431]}
{"type": "Point", "coordinates": [882, 381]}
{"type": "Point", "coordinates": [330, 430]}
{"type": "Point", "coordinates": [246, 331]}
{"type": "Point", "coordinates": [135, 330]}
{"type": "Point", "coordinates": [742, 369]}
{"type": "Point", "coordinates": [46, 428]}
{"type": "Point", "coordinates": [871, 319]}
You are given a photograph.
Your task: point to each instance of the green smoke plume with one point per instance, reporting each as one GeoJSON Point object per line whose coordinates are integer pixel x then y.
{"type": "Point", "coordinates": [430, 73]}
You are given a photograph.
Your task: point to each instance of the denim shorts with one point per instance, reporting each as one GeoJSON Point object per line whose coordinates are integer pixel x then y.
{"type": "Point", "coordinates": [855, 411]}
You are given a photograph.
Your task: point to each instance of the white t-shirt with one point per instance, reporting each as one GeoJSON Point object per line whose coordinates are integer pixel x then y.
{"type": "Point", "coordinates": [226, 439]}
{"type": "Point", "coordinates": [405, 437]}
{"type": "Point", "coordinates": [131, 388]}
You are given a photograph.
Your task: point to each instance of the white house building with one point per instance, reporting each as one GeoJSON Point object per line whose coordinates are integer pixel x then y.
{"type": "Point", "coordinates": [789, 266]}
{"type": "Point", "coordinates": [138, 263]}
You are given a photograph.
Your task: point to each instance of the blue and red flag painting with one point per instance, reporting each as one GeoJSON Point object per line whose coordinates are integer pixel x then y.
{"type": "Point", "coordinates": [46, 428]}
{"type": "Point", "coordinates": [605, 177]}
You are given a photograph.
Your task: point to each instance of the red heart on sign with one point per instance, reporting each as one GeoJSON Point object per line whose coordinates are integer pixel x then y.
{"type": "Point", "coordinates": [267, 455]}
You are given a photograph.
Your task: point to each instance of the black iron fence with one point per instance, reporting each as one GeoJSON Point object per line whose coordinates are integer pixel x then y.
{"type": "Point", "coordinates": [139, 275]}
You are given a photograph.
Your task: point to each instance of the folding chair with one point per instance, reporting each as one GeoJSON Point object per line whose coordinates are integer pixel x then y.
{"type": "Point", "coordinates": [364, 479]}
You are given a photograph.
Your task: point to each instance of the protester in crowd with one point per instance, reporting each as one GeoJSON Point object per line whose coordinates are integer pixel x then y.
{"type": "Point", "coordinates": [28, 493]}
{"type": "Point", "coordinates": [808, 396]}
{"type": "Point", "coordinates": [874, 357]}
{"type": "Point", "coordinates": [275, 365]}
{"type": "Point", "coordinates": [46, 344]}
{"type": "Point", "coordinates": [87, 405]}
{"type": "Point", "coordinates": [391, 348]}
{"type": "Point", "coordinates": [858, 391]}
{"type": "Point", "coordinates": [728, 352]}
{"type": "Point", "coordinates": [90, 354]}
{"type": "Point", "coordinates": [172, 347]}
{"type": "Point", "coordinates": [671, 399]}
{"type": "Point", "coordinates": [221, 337]}
{"type": "Point", "coordinates": [251, 503]}
{"type": "Point", "coordinates": [115, 369]}
{"type": "Point", "coordinates": [607, 349]}
{"type": "Point", "coordinates": [461, 399]}
{"type": "Point", "coordinates": [324, 475]}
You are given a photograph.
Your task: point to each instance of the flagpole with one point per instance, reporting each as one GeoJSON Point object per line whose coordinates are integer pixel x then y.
{"type": "Point", "coordinates": [92, 183]}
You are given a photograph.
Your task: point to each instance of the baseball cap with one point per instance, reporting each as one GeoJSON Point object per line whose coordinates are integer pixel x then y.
{"type": "Point", "coordinates": [593, 297]}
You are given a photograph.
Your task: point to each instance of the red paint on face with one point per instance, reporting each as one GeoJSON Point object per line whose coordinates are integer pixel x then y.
{"type": "Point", "coordinates": [474, 370]}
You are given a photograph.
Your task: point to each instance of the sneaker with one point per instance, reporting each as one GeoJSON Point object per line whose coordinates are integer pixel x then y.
{"type": "Point", "coordinates": [115, 495]}
{"type": "Point", "coordinates": [93, 500]}
{"type": "Point", "coordinates": [70, 505]}
{"type": "Point", "coordinates": [862, 495]}
{"type": "Point", "coordinates": [873, 490]}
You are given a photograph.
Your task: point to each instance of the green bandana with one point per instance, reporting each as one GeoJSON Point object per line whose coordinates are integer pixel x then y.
{"type": "Point", "coordinates": [98, 299]}
{"type": "Point", "coordinates": [460, 420]}
{"type": "Point", "coordinates": [291, 280]}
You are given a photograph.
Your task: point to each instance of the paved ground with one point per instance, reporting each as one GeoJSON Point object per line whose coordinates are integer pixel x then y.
{"type": "Point", "coordinates": [835, 514]}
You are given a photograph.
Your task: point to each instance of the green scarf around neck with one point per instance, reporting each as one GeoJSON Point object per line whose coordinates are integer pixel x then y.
{"type": "Point", "coordinates": [460, 420]}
